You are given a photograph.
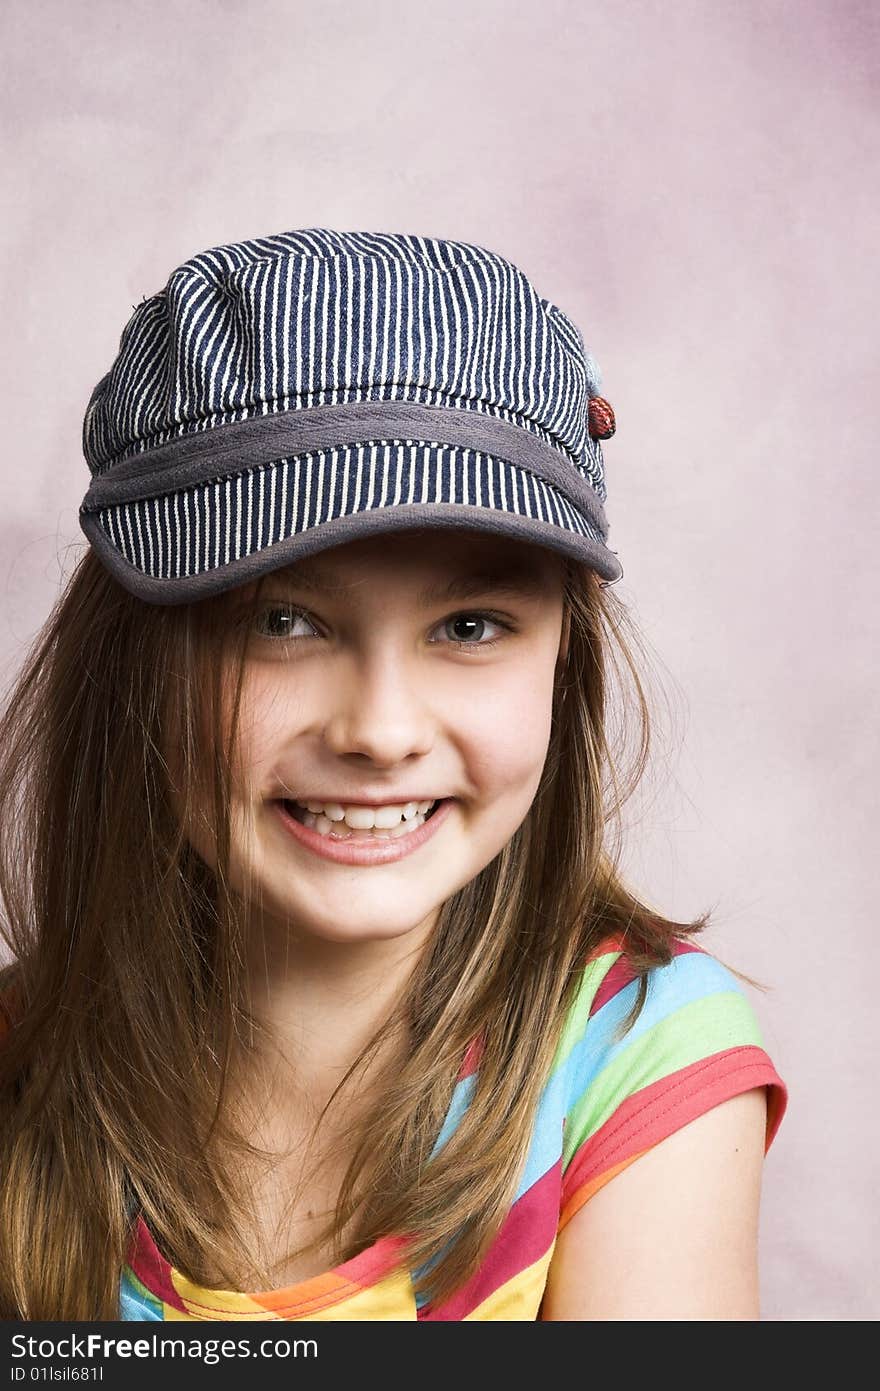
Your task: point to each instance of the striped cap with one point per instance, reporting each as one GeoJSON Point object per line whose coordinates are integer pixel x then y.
{"type": "Point", "coordinates": [287, 394]}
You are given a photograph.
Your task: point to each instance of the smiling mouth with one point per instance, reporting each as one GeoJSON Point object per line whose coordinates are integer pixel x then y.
{"type": "Point", "coordinates": [340, 830]}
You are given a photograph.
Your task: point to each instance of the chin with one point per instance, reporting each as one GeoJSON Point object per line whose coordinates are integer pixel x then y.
{"type": "Point", "coordinates": [348, 923]}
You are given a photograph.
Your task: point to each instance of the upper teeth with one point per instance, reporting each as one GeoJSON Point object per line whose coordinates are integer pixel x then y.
{"type": "Point", "coordinates": [365, 818]}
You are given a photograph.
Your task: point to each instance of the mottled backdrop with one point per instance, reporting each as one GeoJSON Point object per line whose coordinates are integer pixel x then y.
{"type": "Point", "coordinates": [696, 184]}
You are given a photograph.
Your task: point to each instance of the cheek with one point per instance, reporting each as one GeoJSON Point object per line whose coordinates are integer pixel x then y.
{"type": "Point", "coordinates": [506, 733]}
{"type": "Point", "coordinates": [265, 724]}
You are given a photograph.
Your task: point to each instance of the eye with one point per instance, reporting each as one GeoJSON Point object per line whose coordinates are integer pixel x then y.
{"type": "Point", "coordinates": [467, 623]}
{"type": "Point", "coordinates": [283, 629]}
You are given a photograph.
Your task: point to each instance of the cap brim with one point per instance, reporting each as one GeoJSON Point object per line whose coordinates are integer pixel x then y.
{"type": "Point", "coordinates": [182, 546]}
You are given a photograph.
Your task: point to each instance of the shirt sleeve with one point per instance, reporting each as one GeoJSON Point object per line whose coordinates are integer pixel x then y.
{"type": "Point", "coordinates": [696, 1043]}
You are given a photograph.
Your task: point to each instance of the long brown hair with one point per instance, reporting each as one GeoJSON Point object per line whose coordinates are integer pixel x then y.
{"type": "Point", "coordinates": [126, 998]}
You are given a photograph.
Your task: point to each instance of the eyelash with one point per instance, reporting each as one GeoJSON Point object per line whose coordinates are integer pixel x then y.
{"type": "Point", "coordinates": [456, 642]}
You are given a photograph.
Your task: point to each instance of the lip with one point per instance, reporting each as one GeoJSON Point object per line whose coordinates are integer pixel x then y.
{"type": "Point", "coordinates": [362, 852]}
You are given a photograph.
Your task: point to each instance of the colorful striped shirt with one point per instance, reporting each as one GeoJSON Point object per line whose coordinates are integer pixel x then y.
{"type": "Point", "coordinates": [606, 1102]}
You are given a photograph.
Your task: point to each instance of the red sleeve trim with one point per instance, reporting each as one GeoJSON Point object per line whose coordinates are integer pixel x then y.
{"type": "Point", "coordinates": [654, 1112]}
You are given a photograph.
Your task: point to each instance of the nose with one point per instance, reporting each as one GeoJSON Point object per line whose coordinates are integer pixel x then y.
{"type": "Point", "coordinates": [380, 709]}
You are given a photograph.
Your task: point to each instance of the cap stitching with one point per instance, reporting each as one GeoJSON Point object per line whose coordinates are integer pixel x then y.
{"type": "Point", "coordinates": [172, 432]}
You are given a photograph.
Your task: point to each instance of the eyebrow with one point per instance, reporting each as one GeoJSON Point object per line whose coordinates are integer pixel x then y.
{"type": "Point", "coordinates": [513, 581]}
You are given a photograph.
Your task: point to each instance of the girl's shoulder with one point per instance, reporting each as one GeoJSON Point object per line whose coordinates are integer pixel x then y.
{"type": "Point", "coordinates": [693, 987]}
{"type": "Point", "coordinates": [695, 1042]}
{"type": "Point", "coordinates": [608, 975]}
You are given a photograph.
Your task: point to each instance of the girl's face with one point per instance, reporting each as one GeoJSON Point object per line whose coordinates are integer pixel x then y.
{"type": "Point", "coordinates": [405, 668]}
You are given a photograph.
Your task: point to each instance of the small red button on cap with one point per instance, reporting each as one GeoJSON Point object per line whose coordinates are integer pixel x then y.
{"type": "Point", "coordinates": [601, 418]}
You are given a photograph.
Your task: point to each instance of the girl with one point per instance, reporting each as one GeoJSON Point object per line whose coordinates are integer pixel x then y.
{"type": "Point", "coordinates": [328, 999]}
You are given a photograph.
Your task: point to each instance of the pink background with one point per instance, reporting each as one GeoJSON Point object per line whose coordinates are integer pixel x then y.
{"type": "Point", "coordinates": [696, 185]}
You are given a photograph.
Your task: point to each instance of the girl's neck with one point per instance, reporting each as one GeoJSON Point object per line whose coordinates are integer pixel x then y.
{"type": "Point", "coordinates": [319, 1002]}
